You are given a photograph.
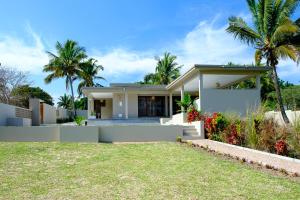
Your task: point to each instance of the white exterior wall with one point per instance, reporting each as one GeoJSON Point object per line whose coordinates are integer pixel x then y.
{"type": "Point", "coordinates": [133, 111]}
{"type": "Point", "coordinates": [49, 114]}
{"type": "Point", "coordinates": [106, 111]}
{"type": "Point", "coordinates": [62, 113]}
{"type": "Point", "coordinates": [6, 111]}
{"type": "Point", "coordinates": [238, 100]}
{"type": "Point", "coordinates": [118, 110]}
{"type": "Point", "coordinates": [293, 116]}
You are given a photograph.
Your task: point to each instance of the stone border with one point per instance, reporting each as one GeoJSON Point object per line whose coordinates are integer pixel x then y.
{"type": "Point", "coordinates": [269, 160]}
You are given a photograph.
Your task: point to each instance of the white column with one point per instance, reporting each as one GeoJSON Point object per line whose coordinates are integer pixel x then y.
{"type": "Point", "coordinates": [200, 87]}
{"type": "Point", "coordinates": [166, 106]}
{"type": "Point", "coordinates": [258, 86]}
{"type": "Point", "coordinates": [126, 104]}
{"type": "Point", "coordinates": [89, 107]}
{"type": "Point", "coordinates": [171, 104]}
{"type": "Point", "coordinates": [182, 95]}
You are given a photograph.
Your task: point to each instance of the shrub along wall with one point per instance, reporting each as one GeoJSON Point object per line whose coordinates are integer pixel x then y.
{"type": "Point", "coordinates": [254, 131]}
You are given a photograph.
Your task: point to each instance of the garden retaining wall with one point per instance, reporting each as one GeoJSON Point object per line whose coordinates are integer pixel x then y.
{"type": "Point", "coordinates": [280, 162]}
{"type": "Point", "coordinates": [110, 133]}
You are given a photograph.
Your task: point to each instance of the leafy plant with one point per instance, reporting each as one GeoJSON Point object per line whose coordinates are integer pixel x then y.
{"type": "Point", "coordinates": [185, 103]}
{"type": "Point", "coordinates": [281, 147]}
{"type": "Point", "coordinates": [214, 126]}
{"type": "Point", "coordinates": [193, 115]}
{"type": "Point", "coordinates": [79, 120]}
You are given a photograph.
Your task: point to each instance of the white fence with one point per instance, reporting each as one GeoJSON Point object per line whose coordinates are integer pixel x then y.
{"type": "Point", "coordinates": [13, 115]}
{"type": "Point", "coordinates": [292, 115]}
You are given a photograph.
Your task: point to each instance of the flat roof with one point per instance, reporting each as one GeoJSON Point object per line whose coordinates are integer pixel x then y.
{"type": "Point", "coordinates": [191, 73]}
{"type": "Point", "coordinates": [218, 69]}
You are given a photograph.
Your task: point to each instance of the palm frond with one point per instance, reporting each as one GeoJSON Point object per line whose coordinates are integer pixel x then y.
{"type": "Point", "coordinates": [240, 30]}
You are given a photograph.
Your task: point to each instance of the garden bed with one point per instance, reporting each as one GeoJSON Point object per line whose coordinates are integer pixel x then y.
{"type": "Point", "coordinates": [270, 160]}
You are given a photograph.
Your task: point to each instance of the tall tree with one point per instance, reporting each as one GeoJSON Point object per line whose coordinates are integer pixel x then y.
{"type": "Point", "coordinates": [10, 79]}
{"type": "Point", "coordinates": [88, 74]}
{"type": "Point", "coordinates": [65, 102]}
{"type": "Point", "coordinates": [272, 35]}
{"type": "Point", "coordinates": [22, 94]}
{"type": "Point", "coordinates": [167, 69]}
{"type": "Point", "coordinates": [65, 64]}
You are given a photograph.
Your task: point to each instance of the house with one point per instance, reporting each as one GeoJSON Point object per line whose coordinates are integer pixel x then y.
{"type": "Point", "coordinates": [211, 86]}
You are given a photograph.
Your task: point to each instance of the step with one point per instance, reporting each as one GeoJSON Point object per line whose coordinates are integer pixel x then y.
{"type": "Point", "coordinates": [184, 138]}
{"type": "Point", "coordinates": [190, 132]}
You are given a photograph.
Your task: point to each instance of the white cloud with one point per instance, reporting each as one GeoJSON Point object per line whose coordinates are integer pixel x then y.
{"type": "Point", "coordinates": [14, 52]}
{"type": "Point", "coordinates": [207, 43]}
{"type": "Point", "coordinates": [119, 63]}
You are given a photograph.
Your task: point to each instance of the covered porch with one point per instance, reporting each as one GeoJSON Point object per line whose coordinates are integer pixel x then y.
{"type": "Point", "coordinates": [215, 88]}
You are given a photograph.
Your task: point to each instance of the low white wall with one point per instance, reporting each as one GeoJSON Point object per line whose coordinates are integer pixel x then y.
{"type": "Point", "coordinates": [62, 113]}
{"type": "Point", "coordinates": [49, 114]}
{"type": "Point", "coordinates": [6, 111]}
{"type": "Point", "coordinates": [139, 133]}
{"type": "Point", "coordinates": [16, 121]}
{"type": "Point", "coordinates": [279, 162]}
{"type": "Point", "coordinates": [236, 100]}
{"type": "Point", "coordinates": [29, 134]}
{"type": "Point", "coordinates": [79, 134]}
{"type": "Point", "coordinates": [110, 133]}
{"type": "Point", "coordinates": [292, 115]}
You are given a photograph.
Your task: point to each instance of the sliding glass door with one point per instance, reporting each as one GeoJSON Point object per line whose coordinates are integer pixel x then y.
{"type": "Point", "coordinates": [151, 106]}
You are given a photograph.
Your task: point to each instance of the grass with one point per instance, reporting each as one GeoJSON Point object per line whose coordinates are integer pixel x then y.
{"type": "Point", "coordinates": [131, 171]}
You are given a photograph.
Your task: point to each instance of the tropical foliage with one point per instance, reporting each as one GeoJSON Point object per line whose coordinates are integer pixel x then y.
{"type": "Point", "coordinates": [273, 35]}
{"type": "Point", "coordinates": [22, 93]}
{"type": "Point", "coordinates": [88, 74]}
{"type": "Point", "coordinates": [66, 64]}
{"type": "Point", "coordinates": [254, 131]}
{"type": "Point", "coordinates": [65, 102]}
{"type": "Point", "coordinates": [185, 103]}
{"type": "Point", "coordinates": [166, 71]}
{"type": "Point", "coordinates": [72, 63]}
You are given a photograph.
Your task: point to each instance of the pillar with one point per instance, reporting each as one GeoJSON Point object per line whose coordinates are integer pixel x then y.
{"type": "Point", "coordinates": [171, 104]}
{"type": "Point", "coordinates": [126, 104]}
{"type": "Point", "coordinates": [182, 95]}
{"type": "Point", "coordinates": [258, 86]}
{"type": "Point", "coordinates": [166, 106]}
{"type": "Point", "coordinates": [200, 87]}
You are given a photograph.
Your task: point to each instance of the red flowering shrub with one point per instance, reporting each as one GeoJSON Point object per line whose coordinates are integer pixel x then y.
{"type": "Point", "coordinates": [281, 147]}
{"type": "Point", "coordinates": [233, 135]}
{"type": "Point", "coordinates": [214, 125]}
{"type": "Point", "coordinates": [193, 115]}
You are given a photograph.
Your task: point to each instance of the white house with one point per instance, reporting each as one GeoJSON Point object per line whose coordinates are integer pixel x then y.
{"type": "Point", "coordinates": [210, 85]}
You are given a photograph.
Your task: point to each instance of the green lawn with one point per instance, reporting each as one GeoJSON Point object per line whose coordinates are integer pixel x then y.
{"type": "Point", "coordinates": [131, 171]}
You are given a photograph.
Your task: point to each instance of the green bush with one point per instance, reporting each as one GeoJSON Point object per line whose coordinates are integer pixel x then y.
{"type": "Point", "coordinates": [64, 120]}
{"type": "Point", "coordinates": [79, 120]}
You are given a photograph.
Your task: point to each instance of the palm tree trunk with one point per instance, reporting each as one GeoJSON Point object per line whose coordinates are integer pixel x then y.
{"type": "Point", "coordinates": [73, 101]}
{"type": "Point", "coordinates": [278, 95]}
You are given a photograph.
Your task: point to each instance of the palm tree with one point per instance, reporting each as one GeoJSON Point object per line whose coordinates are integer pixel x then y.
{"type": "Point", "coordinates": [88, 74]}
{"type": "Point", "coordinates": [66, 64]}
{"type": "Point", "coordinates": [167, 69]}
{"type": "Point", "coordinates": [151, 79]}
{"type": "Point", "coordinates": [272, 35]}
{"type": "Point", "coordinates": [65, 102]}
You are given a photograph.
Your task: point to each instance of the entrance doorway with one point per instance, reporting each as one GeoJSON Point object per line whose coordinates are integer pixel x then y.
{"type": "Point", "coordinates": [151, 106]}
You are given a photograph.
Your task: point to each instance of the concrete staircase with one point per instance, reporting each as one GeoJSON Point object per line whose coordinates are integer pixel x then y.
{"type": "Point", "coordinates": [190, 133]}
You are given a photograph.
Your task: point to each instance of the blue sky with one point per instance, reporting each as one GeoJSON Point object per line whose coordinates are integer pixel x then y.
{"type": "Point", "coordinates": [124, 35]}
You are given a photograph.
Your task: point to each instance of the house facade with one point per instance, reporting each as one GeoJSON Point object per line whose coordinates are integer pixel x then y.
{"type": "Point", "coordinates": [212, 87]}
